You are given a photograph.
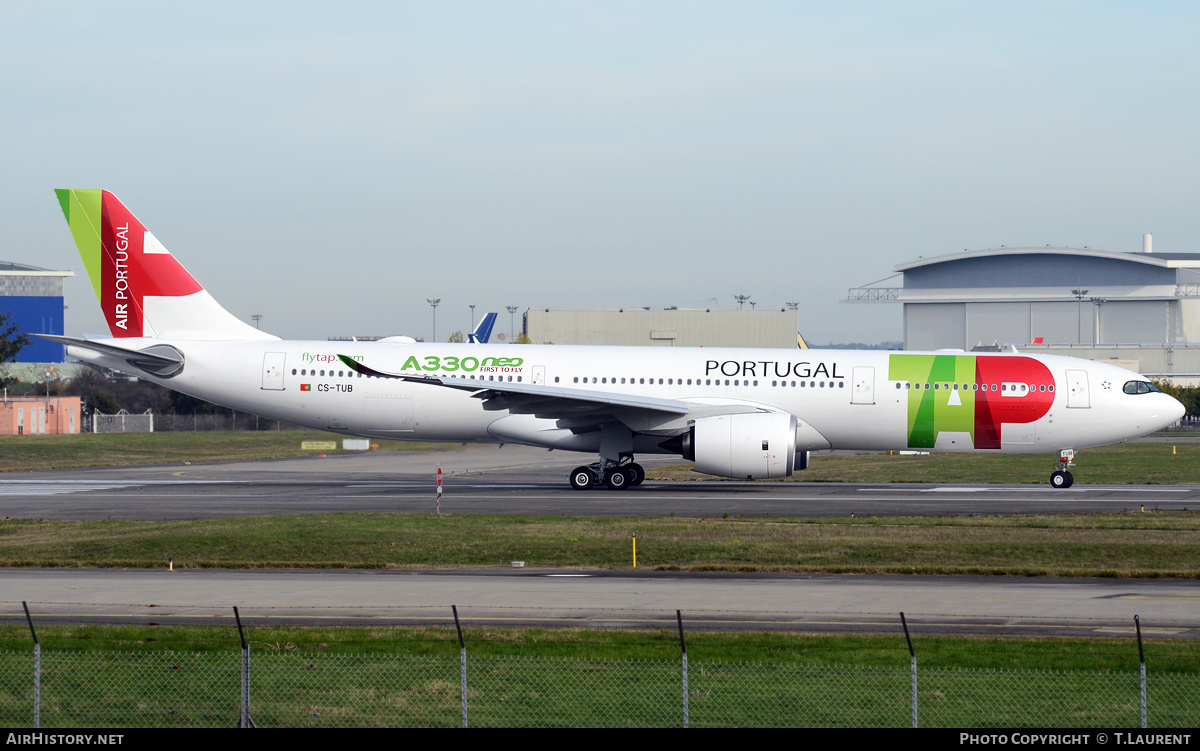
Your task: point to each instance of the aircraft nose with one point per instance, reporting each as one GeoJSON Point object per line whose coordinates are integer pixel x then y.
{"type": "Point", "coordinates": [1176, 411]}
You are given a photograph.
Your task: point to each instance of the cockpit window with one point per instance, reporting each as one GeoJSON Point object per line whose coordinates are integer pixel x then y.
{"type": "Point", "coordinates": [1141, 387]}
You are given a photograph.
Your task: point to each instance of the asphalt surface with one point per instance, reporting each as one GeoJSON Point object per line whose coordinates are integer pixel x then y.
{"type": "Point", "coordinates": [555, 598]}
{"type": "Point", "coordinates": [515, 480]}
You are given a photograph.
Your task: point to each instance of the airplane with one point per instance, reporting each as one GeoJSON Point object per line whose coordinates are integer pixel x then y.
{"type": "Point", "coordinates": [736, 413]}
{"type": "Point", "coordinates": [483, 332]}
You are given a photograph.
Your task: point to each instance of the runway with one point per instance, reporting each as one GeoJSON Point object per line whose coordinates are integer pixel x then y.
{"type": "Point", "coordinates": [556, 598]}
{"type": "Point", "coordinates": [513, 480]}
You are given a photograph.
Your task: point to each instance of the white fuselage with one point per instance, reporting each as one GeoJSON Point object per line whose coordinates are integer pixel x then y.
{"type": "Point", "coordinates": [847, 399]}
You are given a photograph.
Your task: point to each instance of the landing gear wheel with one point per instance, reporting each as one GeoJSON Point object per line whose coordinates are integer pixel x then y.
{"type": "Point", "coordinates": [1062, 479]}
{"type": "Point", "coordinates": [582, 478]}
{"type": "Point", "coordinates": [619, 478]}
{"type": "Point", "coordinates": [639, 474]}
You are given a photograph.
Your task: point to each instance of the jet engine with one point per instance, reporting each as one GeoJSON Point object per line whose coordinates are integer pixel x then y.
{"type": "Point", "coordinates": [749, 446]}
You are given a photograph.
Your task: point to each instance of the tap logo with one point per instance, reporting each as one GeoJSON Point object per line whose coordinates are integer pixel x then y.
{"type": "Point", "coordinates": [970, 394]}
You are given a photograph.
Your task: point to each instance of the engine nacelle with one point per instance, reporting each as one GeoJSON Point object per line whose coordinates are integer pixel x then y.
{"type": "Point", "coordinates": [749, 446]}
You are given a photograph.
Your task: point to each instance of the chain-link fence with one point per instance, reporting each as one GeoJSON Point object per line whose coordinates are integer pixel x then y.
{"type": "Point", "coordinates": [58, 688]}
{"type": "Point", "coordinates": [122, 689]}
{"type": "Point", "coordinates": [174, 423]}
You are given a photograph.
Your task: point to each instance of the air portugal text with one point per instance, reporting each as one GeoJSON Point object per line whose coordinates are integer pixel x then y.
{"type": "Point", "coordinates": [769, 368]}
{"type": "Point", "coordinates": [121, 276]}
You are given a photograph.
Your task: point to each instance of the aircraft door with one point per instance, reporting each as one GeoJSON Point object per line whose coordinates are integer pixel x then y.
{"type": "Point", "coordinates": [864, 385]}
{"type": "Point", "coordinates": [272, 376]}
{"type": "Point", "coordinates": [539, 375]}
{"type": "Point", "coordinates": [1077, 389]}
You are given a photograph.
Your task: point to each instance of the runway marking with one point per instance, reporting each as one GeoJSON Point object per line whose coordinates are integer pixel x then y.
{"type": "Point", "coordinates": [1162, 596]}
{"type": "Point", "coordinates": [489, 486]}
{"type": "Point", "coordinates": [62, 487]}
{"type": "Point", "coordinates": [952, 489]}
{"type": "Point", "coordinates": [568, 576]}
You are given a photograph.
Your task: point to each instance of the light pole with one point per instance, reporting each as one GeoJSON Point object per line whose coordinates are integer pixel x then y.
{"type": "Point", "coordinates": [434, 303]}
{"type": "Point", "coordinates": [1079, 295]}
{"type": "Point", "coordinates": [257, 317]}
{"type": "Point", "coordinates": [741, 300]}
{"type": "Point", "coordinates": [1097, 301]}
{"type": "Point", "coordinates": [511, 327]}
{"type": "Point", "coordinates": [472, 307]}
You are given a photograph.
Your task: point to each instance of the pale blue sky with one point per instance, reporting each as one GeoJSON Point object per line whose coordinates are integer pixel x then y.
{"type": "Point", "coordinates": [331, 167]}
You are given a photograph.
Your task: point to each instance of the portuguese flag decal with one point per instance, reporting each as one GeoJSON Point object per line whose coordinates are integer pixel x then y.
{"type": "Point", "coordinates": [306, 387]}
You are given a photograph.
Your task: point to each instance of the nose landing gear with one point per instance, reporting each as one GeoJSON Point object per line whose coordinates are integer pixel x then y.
{"type": "Point", "coordinates": [1061, 478]}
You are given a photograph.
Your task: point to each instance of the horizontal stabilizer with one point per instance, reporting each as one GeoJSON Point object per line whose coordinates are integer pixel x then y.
{"type": "Point", "coordinates": [161, 359]}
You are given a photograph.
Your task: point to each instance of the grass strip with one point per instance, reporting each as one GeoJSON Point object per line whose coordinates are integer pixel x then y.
{"type": "Point", "coordinates": [24, 453]}
{"type": "Point", "coordinates": [1120, 464]}
{"type": "Point", "coordinates": [1134, 544]}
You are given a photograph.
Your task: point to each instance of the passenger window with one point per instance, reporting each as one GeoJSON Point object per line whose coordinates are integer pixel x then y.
{"type": "Point", "coordinates": [293, 371]}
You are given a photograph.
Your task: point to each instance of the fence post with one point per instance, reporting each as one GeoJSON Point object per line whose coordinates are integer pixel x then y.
{"type": "Point", "coordinates": [912, 657]}
{"type": "Point", "coordinates": [244, 720]}
{"type": "Point", "coordinates": [462, 663]}
{"type": "Point", "coordinates": [37, 670]}
{"type": "Point", "coordinates": [683, 649]}
{"type": "Point", "coordinates": [1137, 622]}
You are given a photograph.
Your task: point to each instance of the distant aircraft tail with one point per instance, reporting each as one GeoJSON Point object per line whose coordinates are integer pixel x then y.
{"type": "Point", "coordinates": [483, 331]}
{"type": "Point", "coordinates": [142, 289]}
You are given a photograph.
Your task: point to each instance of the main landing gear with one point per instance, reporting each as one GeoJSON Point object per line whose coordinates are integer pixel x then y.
{"type": "Point", "coordinates": [616, 467]}
{"type": "Point", "coordinates": [616, 476]}
{"type": "Point", "coordinates": [1061, 477]}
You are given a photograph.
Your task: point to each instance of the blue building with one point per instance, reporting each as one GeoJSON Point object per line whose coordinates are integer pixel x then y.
{"type": "Point", "coordinates": [33, 298]}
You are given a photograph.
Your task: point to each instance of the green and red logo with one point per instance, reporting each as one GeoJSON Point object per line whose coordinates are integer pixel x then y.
{"type": "Point", "coordinates": [971, 394]}
{"type": "Point", "coordinates": [124, 261]}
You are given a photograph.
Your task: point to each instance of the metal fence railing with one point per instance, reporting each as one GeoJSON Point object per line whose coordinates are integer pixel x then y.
{"type": "Point", "coordinates": [59, 688]}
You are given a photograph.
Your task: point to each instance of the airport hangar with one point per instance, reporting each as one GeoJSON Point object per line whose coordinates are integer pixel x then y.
{"type": "Point", "coordinates": [669, 327]}
{"type": "Point", "coordinates": [33, 299]}
{"type": "Point", "coordinates": [1137, 310]}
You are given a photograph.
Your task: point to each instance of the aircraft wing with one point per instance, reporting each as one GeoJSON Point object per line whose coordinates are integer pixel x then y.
{"type": "Point", "coordinates": [577, 409]}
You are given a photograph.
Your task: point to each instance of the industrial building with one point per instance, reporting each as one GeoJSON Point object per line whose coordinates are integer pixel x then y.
{"type": "Point", "coordinates": [671, 327]}
{"type": "Point", "coordinates": [33, 298]}
{"type": "Point", "coordinates": [1141, 310]}
{"type": "Point", "coordinates": [40, 415]}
